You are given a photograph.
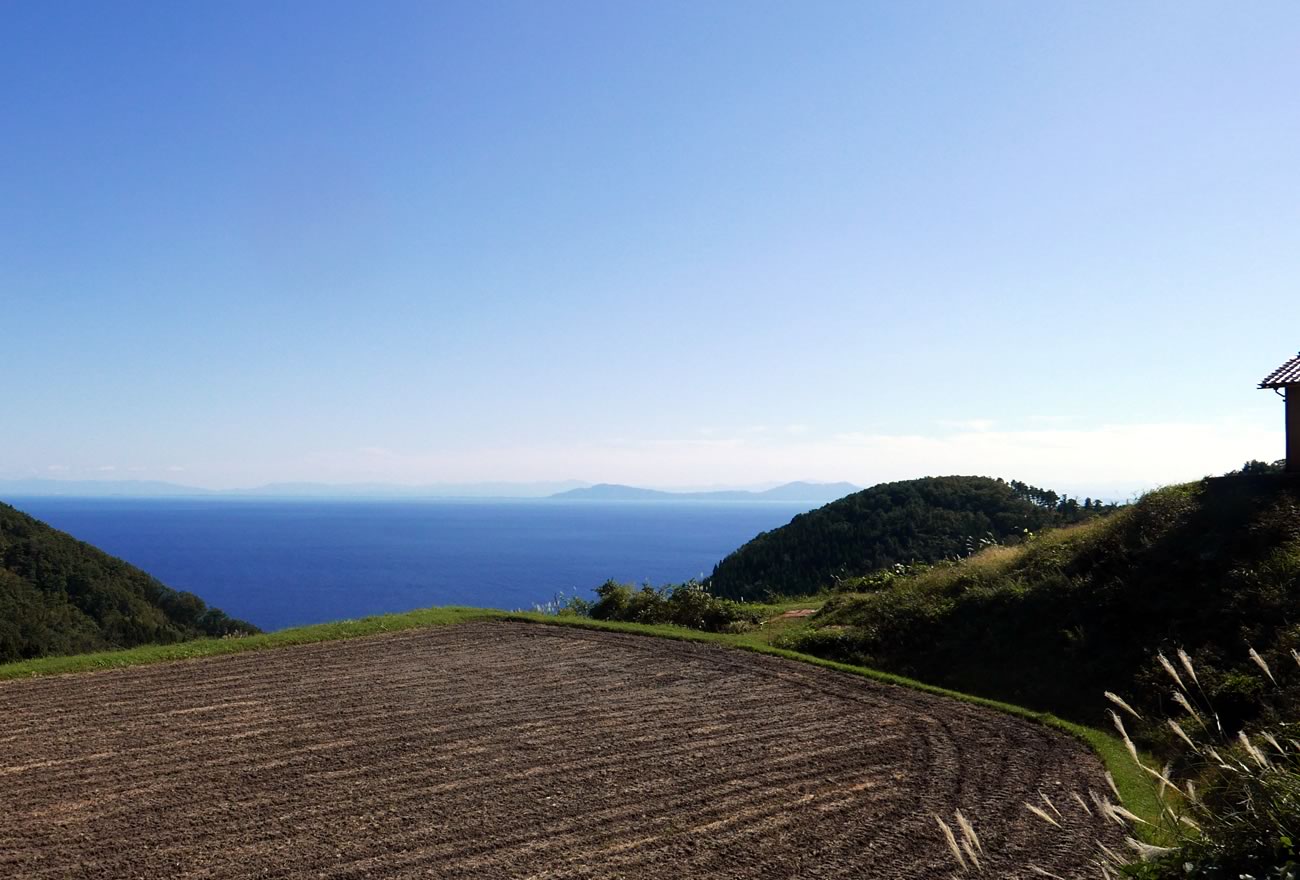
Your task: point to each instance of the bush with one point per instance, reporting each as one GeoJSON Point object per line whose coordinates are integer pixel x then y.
{"type": "Point", "coordinates": [688, 604]}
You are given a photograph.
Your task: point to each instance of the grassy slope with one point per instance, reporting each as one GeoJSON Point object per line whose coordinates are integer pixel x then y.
{"type": "Point", "coordinates": [1213, 567]}
{"type": "Point", "coordinates": [1137, 794]}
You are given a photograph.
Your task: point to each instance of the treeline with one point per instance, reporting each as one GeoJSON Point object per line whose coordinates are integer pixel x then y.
{"type": "Point", "coordinates": [923, 520]}
{"type": "Point", "coordinates": [59, 595]}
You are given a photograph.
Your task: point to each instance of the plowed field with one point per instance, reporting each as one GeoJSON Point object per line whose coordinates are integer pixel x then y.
{"type": "Point", "coordinates": [502, 750]}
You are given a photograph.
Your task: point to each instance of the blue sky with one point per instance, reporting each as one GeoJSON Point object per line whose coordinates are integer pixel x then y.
{"type": "Point", "coordinates": [673, 244]}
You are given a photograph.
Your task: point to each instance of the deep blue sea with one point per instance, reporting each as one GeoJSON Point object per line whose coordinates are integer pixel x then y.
{"type": "Point", "coordinates": [286, 563]}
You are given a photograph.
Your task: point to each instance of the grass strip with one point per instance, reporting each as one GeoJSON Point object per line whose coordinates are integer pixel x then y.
{"type": "Point", "coordinates": [198, 648]}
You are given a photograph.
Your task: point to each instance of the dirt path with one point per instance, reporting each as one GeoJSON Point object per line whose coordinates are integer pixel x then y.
{"type": "Point", "coordinates": [501, 750]}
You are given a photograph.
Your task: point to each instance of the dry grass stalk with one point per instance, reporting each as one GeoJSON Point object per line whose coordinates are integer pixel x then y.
{"type": "Point", "coordinates": [1182, 734]}
{"type": "Point", "coordinates": [1103, 808]}
{"type": "Point", "coordinates": [1125, 814]}
{"type": "Point", "coordinates": [1173, 673]}
{"type": "Point", "coordinates": [1146, 850]}
{"type": "Point", "coordinates": [1042, 814]}
{"type": "Point", "coordinates": [1251, 749]}
{"type": "Point", "coordinates": [1110, 780]}
{"type": "Point", "coordinates": [1119, 701]}
{"type": "Point", "coordinates": [1112, 855]}
{"type": "Point", "coordinates": [968, 831]}
{"type": "Point", "coordinates": [1259, 661]}
{"type": "Point", "coordinates": [1165, 782]}
{"type": "Point", "coordinates": [1182, 700]}
{"type": "Point", "coordinates": [952, 842]}
{"type": "Point", "coordinates": [1187, 665]}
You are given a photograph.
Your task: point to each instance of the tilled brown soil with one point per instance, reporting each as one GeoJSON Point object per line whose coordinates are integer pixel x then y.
{"type": "Point", "coordinates": [514, 750]}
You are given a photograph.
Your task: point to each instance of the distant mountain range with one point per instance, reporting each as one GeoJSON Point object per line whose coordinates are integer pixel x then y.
{"type": "Point", "coordinates": [31, 488]}
{"type": "Point", "coordinates": [807, 493]}
{"type": "Point", "coordinates": [818, 493]}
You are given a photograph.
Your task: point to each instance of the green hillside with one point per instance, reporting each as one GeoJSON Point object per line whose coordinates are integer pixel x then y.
{"type": "Point", "coordinates": [921, 520]}
{"type": "Point", "coordinates": [1212, 567]}
{"type": "Point", "coordinates": [59, 595]}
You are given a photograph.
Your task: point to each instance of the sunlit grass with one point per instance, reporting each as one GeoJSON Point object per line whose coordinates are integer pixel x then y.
{"type": "Point", "coordinates": [197, 648]}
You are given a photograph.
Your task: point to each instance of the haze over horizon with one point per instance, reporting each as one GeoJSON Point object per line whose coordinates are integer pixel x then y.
{"type": "Point", "coordinates": [671, 246]}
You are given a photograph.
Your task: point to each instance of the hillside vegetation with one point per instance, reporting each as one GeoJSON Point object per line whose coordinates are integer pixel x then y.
{"type": "Point", "coordinates": [59, 595]}
{"type": "Point", "coordinates": [923, 520]}
{"type": "Point", "coordinates": [1212, 567]}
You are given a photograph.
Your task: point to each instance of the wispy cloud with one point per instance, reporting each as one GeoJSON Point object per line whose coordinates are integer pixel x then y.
{"type": "Point", "coordinates": [969, 424]}
{"type": "Point", "coordinates": [1138, 455]}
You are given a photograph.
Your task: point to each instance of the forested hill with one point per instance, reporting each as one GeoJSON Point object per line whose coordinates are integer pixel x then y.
{"type": "Point", "coordinates": [1211, 568]}
{"type": "Point", "coordinates": [59, 595]}
{"type": "Point", "coordinates": [921, 520]}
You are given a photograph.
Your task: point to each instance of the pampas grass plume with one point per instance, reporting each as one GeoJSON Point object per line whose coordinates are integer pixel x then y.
{"type": "Point", "coordinates": [1259, 661]}
{"type": "Point", "coordinates": [952, 842]}
{"type": "Point", "coordinates": [1042, 814]}
{"type": "Point", "coordinates": [1119, 701]}
{"type": "Point", "coordinates": [1173, 673]}
{"type": "Point", "coordinates": [1187, 664]}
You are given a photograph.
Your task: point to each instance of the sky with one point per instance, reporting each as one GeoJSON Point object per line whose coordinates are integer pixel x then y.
{"type": "Point", "coordinates": [665, 243]}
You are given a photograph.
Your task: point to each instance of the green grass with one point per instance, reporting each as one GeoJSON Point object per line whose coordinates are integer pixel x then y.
{"type": "Point", "coordinates": [1134, 790]}
{"type": "Point", "coordinates": [303, 635]}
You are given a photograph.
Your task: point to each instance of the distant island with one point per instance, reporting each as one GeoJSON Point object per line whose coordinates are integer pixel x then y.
{"type": "Point", "coordinates": [577, 490]}
{"type": "Point", "coordinates": [800, 492]}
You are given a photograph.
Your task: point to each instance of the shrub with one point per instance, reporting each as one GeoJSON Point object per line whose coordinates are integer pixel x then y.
{"type": "Point", "coordinates": [688, 604]}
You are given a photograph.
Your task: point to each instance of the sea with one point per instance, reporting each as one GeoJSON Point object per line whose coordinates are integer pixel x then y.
{"type": "Point", "coordinates": [288, 563]}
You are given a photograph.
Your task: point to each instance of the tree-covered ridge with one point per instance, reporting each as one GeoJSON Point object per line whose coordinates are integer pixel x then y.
{"type": "Point", "coordinates": [59, 595]}
{"type": "Point", "coordinates": [1212, 568]}
{"type": "Point", "coordinates": [921, 520]}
